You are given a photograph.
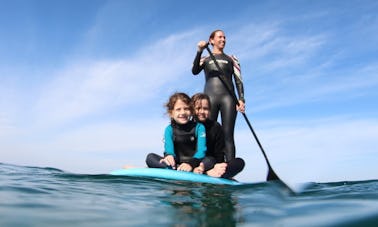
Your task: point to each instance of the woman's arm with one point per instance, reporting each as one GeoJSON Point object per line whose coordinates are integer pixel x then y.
{"type": "Point", "coordinates": [238, 78]}
{"type": "Point", "coordinates": [197, 66]}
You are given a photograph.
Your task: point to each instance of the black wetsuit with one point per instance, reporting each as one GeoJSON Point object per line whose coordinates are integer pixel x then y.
{"type": "Point", "coordinates": [215, 144]}
{"type": "Point", "coordinates": [185, 142]}
{"type": "Point", "coordinates": [220, 98]}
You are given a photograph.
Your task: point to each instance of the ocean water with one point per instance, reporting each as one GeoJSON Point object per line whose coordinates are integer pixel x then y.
{"type": "Point", "coordinates": [33, 196]}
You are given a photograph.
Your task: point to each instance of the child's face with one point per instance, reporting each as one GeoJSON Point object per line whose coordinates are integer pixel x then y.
{"type": "Point", "coordinates": [181, 112]}
{"type": "Point", "coordinates": [202, 110]}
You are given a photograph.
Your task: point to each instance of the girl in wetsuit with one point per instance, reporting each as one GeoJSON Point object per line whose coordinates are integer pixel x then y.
{"type": "Point", "coordinates": [221, 99]}
{"type": "Point", "coordinates": [184, 139]}
{"type": "Point", "coordinates": [214, 142]}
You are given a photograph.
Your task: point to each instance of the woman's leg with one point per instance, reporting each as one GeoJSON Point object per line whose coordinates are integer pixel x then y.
{"type": "Point", "coordinates": [214, 109]}
{"type": "Point", "coordinates": [228, 114]}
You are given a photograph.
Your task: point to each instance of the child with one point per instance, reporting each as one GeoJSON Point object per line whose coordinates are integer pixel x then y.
{"type": "Point", "coordinates": [215, 143]}
{"type": "Point", "coordinates": [184, 139]}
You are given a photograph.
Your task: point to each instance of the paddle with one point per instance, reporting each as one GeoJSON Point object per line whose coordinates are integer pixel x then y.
{"type": "Point", "coordinates": [272, 176]}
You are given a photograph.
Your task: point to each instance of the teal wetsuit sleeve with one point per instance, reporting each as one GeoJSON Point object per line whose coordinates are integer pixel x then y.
{"type": "Point", "coordinates": [201, 141]}
{"type": "Point", "coordinates": [168, 141]}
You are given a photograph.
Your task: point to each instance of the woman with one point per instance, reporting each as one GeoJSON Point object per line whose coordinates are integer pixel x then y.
{"type": "Point", "coordinates": [221, 99]}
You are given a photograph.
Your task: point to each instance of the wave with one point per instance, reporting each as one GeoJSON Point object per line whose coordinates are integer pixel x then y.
{"type": "Point", "coordinates": [56, 194]}
{"type": "Point", "coordinates": [307, 187]}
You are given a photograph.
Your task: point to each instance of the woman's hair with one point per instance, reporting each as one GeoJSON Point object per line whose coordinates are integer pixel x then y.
{"type": "Point", "coordinates": [198, 97]}
{"type": "Point", "coordinates": [178, 96]}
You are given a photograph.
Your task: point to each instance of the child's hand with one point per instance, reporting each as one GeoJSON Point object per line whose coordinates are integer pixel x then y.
{"type": "Point", "coordinates": [169, 160]}
{"type": "Point", "coordinates": [185, 167]}
{"type": "Point", "coordinates": [199, 169]}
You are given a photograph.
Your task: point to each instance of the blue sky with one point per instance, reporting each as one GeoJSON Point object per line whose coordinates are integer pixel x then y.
{"type": "Point", "coordinates": [83, 83]}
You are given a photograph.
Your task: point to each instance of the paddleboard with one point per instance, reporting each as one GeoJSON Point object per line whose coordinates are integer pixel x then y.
{"type": "Point", "coordinates": [169, 174]}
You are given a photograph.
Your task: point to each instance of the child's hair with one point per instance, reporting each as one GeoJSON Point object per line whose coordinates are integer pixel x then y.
{"type": "Point", "coordinates": [198, 97]}
{"type": "Point", "coordinates": [178, 96]}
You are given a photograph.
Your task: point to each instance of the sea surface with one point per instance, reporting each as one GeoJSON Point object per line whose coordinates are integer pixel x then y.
{"type": "Point", "coordinates": [34, 196]}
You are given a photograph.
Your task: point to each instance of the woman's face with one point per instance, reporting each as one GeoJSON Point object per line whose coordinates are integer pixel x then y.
{"type": "Point", "coordinates": [219, 40]}
{"type": "Point", "coordinates": [202, 110]}
{"type": "Point", "coordinates": [181, 112]}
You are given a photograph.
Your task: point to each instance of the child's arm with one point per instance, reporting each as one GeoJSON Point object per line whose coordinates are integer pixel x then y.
{"type": "Point", "coordinates": [169, 152]}
{"type": "Point", "coordinates": [201, 141]}
{"type": "Point", "coordinates": [169, 148]}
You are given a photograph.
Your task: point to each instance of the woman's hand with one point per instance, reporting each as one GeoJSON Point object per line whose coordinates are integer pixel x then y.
{"type": "Point", "coordinates": [201, 45]}
{"type": "Point", "coordinates": [241, 106]}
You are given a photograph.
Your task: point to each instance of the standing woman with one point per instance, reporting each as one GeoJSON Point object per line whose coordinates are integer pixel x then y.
{"type": "Point", "coordinates": [221, 100]}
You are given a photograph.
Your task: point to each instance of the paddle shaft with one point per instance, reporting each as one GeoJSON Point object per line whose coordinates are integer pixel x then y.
{"type": "Point", "coordinates": [271, 174]}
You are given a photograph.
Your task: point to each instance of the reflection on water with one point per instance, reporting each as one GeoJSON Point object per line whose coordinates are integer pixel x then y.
{"type": "Point", "coordinates": [204, 206]}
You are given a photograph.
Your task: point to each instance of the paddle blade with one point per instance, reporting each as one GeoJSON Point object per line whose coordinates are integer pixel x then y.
{"type": "Point", "coordinates": [272, 175]}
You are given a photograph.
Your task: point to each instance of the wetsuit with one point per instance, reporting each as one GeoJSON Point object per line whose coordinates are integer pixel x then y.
{"type": "Point", "coordinates": [215, 150]}
{"type": "Point", "coordinates": [220, 98]}
{"type": "Point", "coordinates": [186, 143]}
